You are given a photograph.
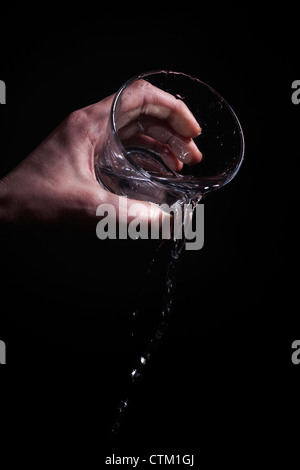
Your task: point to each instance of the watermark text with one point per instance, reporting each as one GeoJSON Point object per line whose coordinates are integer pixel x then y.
{"type": "Point", "coordinates": [150, 221]}
{"type": "Point", "coordinates": [296, 94]}
{"type": "Point", "coordinates": [2, 352]}
{"type": "Point", "coordinates": [2, 92]}
{"type": "Point", "coordinates": [296, 354]}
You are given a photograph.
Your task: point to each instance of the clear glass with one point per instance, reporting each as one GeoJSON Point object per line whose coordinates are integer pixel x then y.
{"type": "Point", "coordinates": [142, 139]}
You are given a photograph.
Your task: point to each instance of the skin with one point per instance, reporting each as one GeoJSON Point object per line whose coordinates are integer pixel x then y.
{"type": "Point", "coordinates": [57, 182]}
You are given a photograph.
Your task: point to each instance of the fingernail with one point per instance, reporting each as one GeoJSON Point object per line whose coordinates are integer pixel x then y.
{"type": "Point", "coordinates": [180, 149]}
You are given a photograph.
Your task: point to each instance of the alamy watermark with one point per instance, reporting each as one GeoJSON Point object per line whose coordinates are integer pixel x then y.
{"type": "Point", "coordinates": [296, 94]}
{"type": "Point", "coordinates": [2, 352]}
{"type": "Point", "coordinates": [295, 357]}
{"type": "Point", "coordinates": [149, 221]}
{"type": "Point", "coordinates": [2, 92]}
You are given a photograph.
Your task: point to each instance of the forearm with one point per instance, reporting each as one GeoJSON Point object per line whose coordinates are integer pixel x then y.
{"type": "Point", "coordinates": [5, 215]}
{"type": "Point", "coordinates": [19, 195]}
{"type": "Point", "coordinates": [11, 204]}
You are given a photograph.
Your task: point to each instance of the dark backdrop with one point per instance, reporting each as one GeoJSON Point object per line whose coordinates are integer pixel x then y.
{"type": "Point", "coordinates": [223, 379]}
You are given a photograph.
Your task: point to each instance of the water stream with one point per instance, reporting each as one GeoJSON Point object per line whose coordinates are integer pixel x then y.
{"type": "Point", "coordinates": [153, 340]}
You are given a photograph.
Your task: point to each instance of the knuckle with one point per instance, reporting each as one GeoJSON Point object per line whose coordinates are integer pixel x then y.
{"type": "Point", "coordinates": [180, 106]}
{"type": "Point", "coordinates": [74, 126]}
{"type": "Point", "coordinates": [76, 120]}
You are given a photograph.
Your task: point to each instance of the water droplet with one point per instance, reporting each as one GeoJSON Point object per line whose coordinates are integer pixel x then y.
{"type": "Point", "coordinates": [116, 427]}
{"type": "Point", "coordinates": [159, 334]}
{"type": "Point", "coordinates": [135, 374]}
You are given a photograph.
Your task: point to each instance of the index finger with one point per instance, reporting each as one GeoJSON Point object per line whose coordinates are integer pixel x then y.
{"type": "Point", "coordinates": [143, 98]}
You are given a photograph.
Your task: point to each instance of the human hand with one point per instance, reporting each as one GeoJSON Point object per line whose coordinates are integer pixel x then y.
{"type": "Point", "coordinates": [56, 183]}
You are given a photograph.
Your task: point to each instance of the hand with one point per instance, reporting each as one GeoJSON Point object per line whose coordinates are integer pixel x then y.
{"type": "Point", "coordinates": [57, 183]}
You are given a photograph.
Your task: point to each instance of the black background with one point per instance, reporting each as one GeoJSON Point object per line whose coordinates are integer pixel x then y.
{"type": "Point", "coordinates": [223, 380]}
